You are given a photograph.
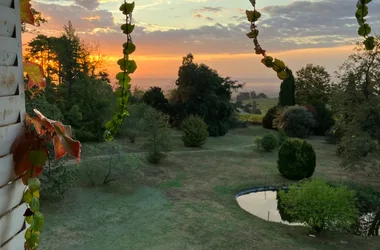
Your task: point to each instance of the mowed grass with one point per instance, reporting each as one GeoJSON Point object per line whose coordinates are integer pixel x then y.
{"type": "Point", "coordinates": [187, 202]}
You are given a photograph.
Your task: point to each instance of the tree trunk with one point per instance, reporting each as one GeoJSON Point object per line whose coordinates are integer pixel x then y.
{"type": "Point", "coordinates": [12, 113]}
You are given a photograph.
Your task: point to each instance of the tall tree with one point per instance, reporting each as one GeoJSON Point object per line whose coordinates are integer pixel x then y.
{"type": "Point", "coordinates": [312, 83]}
{"type": "Point", "coordinates": [203, 92]}
{"type": "Point", "coordinates": [356, 101]}
{"type": "Point", "coordinates": [287, 90]}
{"type": "Point", "coordinates": [155, 98]}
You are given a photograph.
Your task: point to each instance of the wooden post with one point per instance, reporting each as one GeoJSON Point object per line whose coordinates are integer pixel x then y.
{"type": "Point", "coordinates": [12, 113]}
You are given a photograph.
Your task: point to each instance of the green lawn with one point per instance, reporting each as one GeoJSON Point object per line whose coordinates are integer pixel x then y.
{"type": "Point", "coordinates": [187, 202]}
{"type": "Point", "coordinates": [264, 104]}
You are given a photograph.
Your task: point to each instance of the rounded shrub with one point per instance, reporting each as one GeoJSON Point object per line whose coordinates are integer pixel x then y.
{"type": "Point", "coordinates": [269, 142]}
{"type": "Point", "coordinates": [296, 159]}
{"type": "Point", "coordinates": [268, 119]}
{"type": "Point", "coordinates": [296, 121]}
{"type": "Point", "coordinates": [195, 131]}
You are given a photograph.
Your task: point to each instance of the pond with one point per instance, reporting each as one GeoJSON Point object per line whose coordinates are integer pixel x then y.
{"type": "Point", "coordinates": [265, 204]}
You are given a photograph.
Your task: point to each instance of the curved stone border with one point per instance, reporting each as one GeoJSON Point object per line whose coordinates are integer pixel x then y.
{"type": "Point", "coordinates": [260, 189]}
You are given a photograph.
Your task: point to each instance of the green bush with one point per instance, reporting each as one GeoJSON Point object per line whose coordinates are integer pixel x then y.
{"type": "Point", "coordinates": [108, 169]}
{"type": "Point", "coordinates": [195, 131]}
{"type": "Point", "coordinates": [56, 179]}
{"type": "Point", "coordinates": [296, 159]}
{"type": "Point", "coordinates": [158, 135]}
{"type": "Point", "coordinates": [281, 137]}
{"type": "Point", "coordinates": [269, 142]}
{"type": "Point", "coordinates": [334, 135]}
{"type": "Point", "coordinates": [133, 125]}
{"type": "Point", "coordinates": [268, 119]}
{"type": "Point", "coordinates": [296, 121]}
{"type": "Point", "coordinates": [323, 117]}
{"type": "Point", "coordinates": [319, 205]}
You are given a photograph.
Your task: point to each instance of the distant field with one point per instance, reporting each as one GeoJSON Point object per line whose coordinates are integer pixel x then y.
{"type": "Point", "coordinates": [264, 104]}
{"type": "Point", "coordinates": [251, 118]}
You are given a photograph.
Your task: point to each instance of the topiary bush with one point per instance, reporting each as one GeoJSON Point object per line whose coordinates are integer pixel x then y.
{"type": "Point", "coordinates": [296, 121]}
{"type": "Point", "coordinates": [268, 119]}
{"type": "Point", "coordinates": [195, 131]}
{"type": "Point", "coordinates": [319, 205]}
{"type": "Point", "coordinates": [296, 159]}
{"type": "Point", "coordinates": [269, 142]}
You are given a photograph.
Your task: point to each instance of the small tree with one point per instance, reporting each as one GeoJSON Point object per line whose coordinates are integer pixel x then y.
{"type": "Point", "coordinates": [195, 131]}
{"type": "Point", "coordinates": [319, 205]}
{"type": "Point", "coordinates": [157, 129]}
{"type": "Point", "coordinates": [312, 83]}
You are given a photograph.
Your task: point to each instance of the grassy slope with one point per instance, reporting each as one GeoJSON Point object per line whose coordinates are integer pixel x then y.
{"type": "Point", "coordinates": [187, 202]}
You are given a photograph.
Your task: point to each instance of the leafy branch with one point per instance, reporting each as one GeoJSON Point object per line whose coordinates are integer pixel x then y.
{"type": "Point", "coordinates": [364, 28]}
{"type": "Point", "coordinates": [128, 67]}
{"type": "Point", "coordinates": [276, 64]}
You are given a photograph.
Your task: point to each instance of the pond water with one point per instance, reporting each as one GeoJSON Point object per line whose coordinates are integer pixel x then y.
{"type": "Point", "coordinates": [265, 205]}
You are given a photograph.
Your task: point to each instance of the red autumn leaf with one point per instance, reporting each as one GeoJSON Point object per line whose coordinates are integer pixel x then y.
{"type": "Point", "coordinates": [28, 174]}
{"type": "Point", "coordinates": [59, 149]}
{"type": "Point", "coordinates": [35, 74]}
{"type": "Point", "coordinates": [21, 148]}
{"type": "Point", "coordinates": [63, 140]}
{"type": "Point", "coordinates": [26, 12]}
{"type": "Point", "coordinates": [72, 147]}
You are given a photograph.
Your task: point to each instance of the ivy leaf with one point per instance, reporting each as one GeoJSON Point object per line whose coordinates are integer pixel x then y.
{"type": "Point", "coordinates": [35, 238]}
{"type": "Point", "coordinates": [127, 28]}
{"type": "Point", "coordinates": [125, 82]}
{"type": "Point", "coordinates": [280, 65]}
{"type": "Point", "coordinates": [364, 30]}
{"type": "Point", "coordinates": [29, 219]}
{"type": "Point", "coordinates": [27, 197]}
{"type": "Point", "coordinates": [120, 75]}
{"type": "Point", "coordinates": [369, 43]}
{"type": "Point", "coordinates": [26, 12]}
{"type": "Point", "coordinates": [131, 67]}
{"type": "Point", "coordinates": [34, 184]}
{"type": "Point", "coordinates": [282, 75]}
{"type": "Point", "coordinates": [253, 34]}
{"type": "Point", "coordinates": [127, 8]}
{"type": "Point", "coordinates": [129, 48]}
{"type": "Point", "coordinates": [38, 221]}
{"type": "Point", "coordinates": [252, 15]}
{"type": "Point", "coordinates": [35, 205]}
{"type": "Point", "coordinates": [38, 157]}
{"type": "Point", "coordinates": [35, 74]}
{"type": "Point", "coordinates": [28, 233]}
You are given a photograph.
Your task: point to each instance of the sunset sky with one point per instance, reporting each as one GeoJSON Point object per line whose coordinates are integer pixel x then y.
{"type": "Point", "coordinates": [298, 32]}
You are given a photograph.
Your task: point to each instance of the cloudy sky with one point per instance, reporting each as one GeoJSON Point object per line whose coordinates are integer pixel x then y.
{"type": "Point", "coordinates": [298, 32]}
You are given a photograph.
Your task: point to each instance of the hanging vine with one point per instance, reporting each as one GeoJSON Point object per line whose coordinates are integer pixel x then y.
{"type": "Point", "coordinates": [128, 67]}
{"type": "Point", "coordinates": [274, 63]}
{"type": "Point", "coordinates": [364, 28]}
{"type": "Point", "coordinates": [30, 149]}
